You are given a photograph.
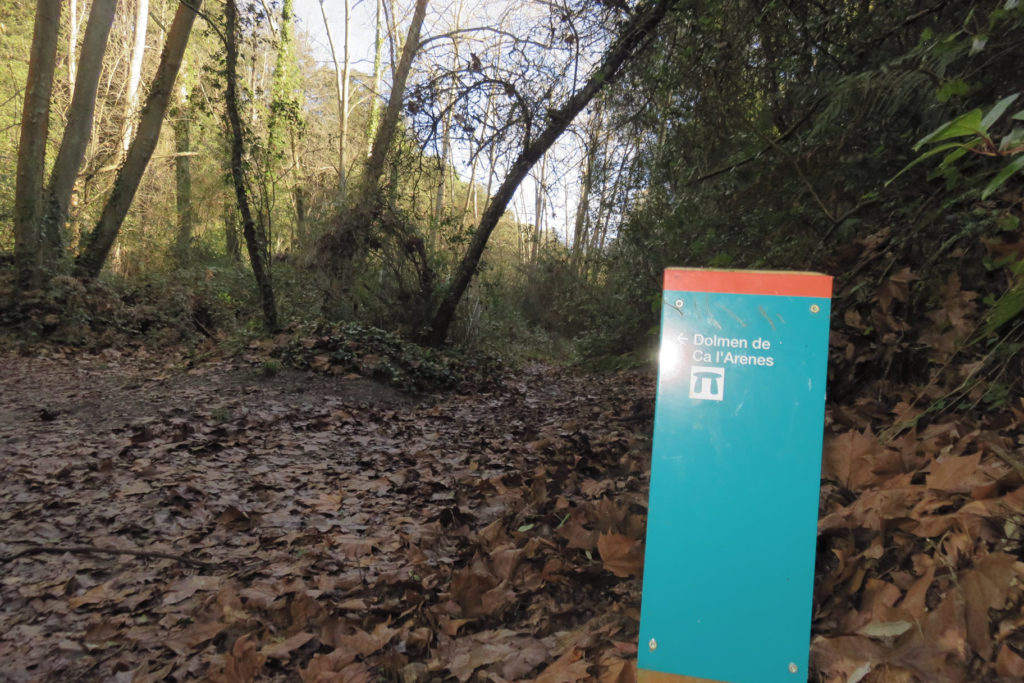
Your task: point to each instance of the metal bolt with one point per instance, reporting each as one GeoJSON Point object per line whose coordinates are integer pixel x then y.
{"type": "Point", "coordinates": [793, 668]}
{"type": "Point", "coordinates": [815, 308]}
{"type": "Point", "coordinates": [680, 303]}
{"type": "Point", "coordinates": [653, 645]}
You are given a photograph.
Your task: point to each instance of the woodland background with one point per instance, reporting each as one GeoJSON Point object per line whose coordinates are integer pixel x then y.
{"type": "Point", "coordinates": [506, 182]}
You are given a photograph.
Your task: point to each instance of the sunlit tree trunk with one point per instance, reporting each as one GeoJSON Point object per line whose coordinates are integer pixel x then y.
{"type": "Point", "coordinates": [100, 240]}
{"type": "Point", "coordinates": [373, 121]}
{"type": "Point", "coordinates": [348, 240]}
{"type": "Point", "coordinates": [72, 43]}
{"type": "Point", "coordinates": [77, 131]}
{"type": "Point", "coordinates": [183, 176]}
{"type": "Point", "coordinates": [539, 207]}
{"type": "Point", "coordinates": [389, 124]}
{"type": "Point", "coordinates": [298, 193]}
{"type": "Point", "coordinates": [254, 242]}
{"type": "Point", "coordinates": [581, 226]}
{"type": "Point", "coordinates": [286, 83]}
{"type": "Point", "coordinates": [35, 120]}
{"type": "Point", "coordinates": [131, 103]}
{"type": "Point", "coordinates": [341, 75]}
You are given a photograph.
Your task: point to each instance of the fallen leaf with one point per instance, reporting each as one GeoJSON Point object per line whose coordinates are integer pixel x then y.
{"type": "Point", "coordinates": [284, 649]}
{"type": "Point", "coordinates": [621, 555]}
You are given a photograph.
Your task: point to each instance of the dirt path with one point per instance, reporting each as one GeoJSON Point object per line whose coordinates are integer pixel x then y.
{"type": "Point", "coordinates": [298, 525]}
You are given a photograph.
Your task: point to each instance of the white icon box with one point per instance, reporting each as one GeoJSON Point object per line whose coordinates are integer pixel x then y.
{"type": "Point", "coordinates": [707, 383]}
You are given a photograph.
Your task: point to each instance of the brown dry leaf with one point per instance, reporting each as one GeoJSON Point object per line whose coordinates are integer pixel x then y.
{"type": "Point", "coordinates": [451, 626]}
{"type": "Point", "coordinates": [335, 667]}
{"type": "Point", "coordinates": [621, 555]}
{"type": "Point", "coordinates": [353, 547]}
{"type": "Point", "coordinates": [365, 643]}
{"type": "Point", "coordinates": [284, 649]}
{"type": "Point", "coordinates": [955, 474]}
{"type": "Point", "coordinates": [571, 667]}
{"type": "Point", "coordinates": [503, 651]}
{"type": "Point", "coordinates": [579, 537]}
{"type": "Point", "coordinates": [914, 601]}
{"type": "Point", "coordinates": [847, 458]}
{"type": "Point", "coordinates": [846, 658]}
{"type": "Point", "coordinates": [614, 669]}
{"type": "Point", "coordinates": [938, 649]}
{"type": "Point", "coordinates": [189, 586]}
{"type": "Point", "coordinates": [469, 585]}
{"type": "Point", "coordinates": [891, 674]}
{"type": "Point", "coordinates": [104, 592]}
{"type": "Point", "coordinates": [895, 288]}
{"type": "Point", "coordinates": [243, 664]}
{"type": "Point", "coordinates": [986, 587]}
{"type": "Point", "coordinates": [1009, 663]}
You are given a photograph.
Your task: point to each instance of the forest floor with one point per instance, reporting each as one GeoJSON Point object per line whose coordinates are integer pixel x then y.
{"type": "Point", "coordinates": [168, 519]}
{"type": "Point", "coordinates": [163, 518]}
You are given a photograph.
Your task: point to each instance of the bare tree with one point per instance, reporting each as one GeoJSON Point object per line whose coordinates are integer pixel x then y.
{"type": "Point", "coordinates": [389, 124]}
{"type": "Point", "coordinates": [636, 33]}
{"type": "Point", "coordinates": [98, 243]}
{"type": "Point", "coordinates": [35, 120]}
{"type": "Point", "coordinates": [72, 42]}
{"type": "Point", "coordinates": [341, 74]}
{"type": "Point", "coordinates": [131, 102]}
{"type": "Point", "coordinates": [581, 225]}
{"type": "Point", "coordinates": [183, 174]}
{"type": "Point", "coordinates": [373, 121]}
{"type": "Point", "coordinates": [254, 243]}
{"type": "Point", "coordinates": [77, 131]}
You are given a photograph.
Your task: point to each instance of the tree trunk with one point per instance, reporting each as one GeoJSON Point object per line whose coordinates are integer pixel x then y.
{"type": "Point", "coordinates": [373, 120]}
{"type": "Point", "coordinates": [183, 179]}
{"type": "Point", "coordinates": [77, 131]}
{"type": "Point", "coordinates": [446, 136]}
{"type": "Point", "coordinates": [386, 132]}
{"type": "Point", "coordinates": [231, 245]}
{"type": "Point", "coordinates": [348, 240]}
{"type": "Point", "coordinates": [341, 76]}
{"type": "Point", "coordinates": [298, 194]}
{"type": "Point", "coordinates": [131, 103]}
{"type": "Point", "coordinates": [635, 34]}
{"type": "Point", "coordinates": [539, 205]}
{"type": "Point", "coordinates": [35, 124]}
{"type": "Point", "coordinates": [580, 228]}
{"type": "Point", "coordinates": [72, 44]}
{"type": "Point", "coordinates": [99, 241]}
{"type": "Point", "coordinates": [254, 245]}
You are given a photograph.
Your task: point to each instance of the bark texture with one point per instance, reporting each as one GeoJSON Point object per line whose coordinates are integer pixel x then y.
{"type": "Point", "coordinates": [35, 123]}
{"type": "Point", "coordinates": [77, 132]}
{"type": "Point", "coordinates": [386, 132]}
{"type": "Point", "coordinates": [253, 240]}
{"type": "Point", "coordinates": [99, 241]}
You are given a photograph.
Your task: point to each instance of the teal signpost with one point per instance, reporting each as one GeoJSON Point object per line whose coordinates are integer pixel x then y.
{"type": "Point", "coordinates": [736, 463]}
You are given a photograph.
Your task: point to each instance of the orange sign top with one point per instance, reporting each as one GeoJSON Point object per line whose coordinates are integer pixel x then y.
{"type": "Point", "coordinates": [770, 283]}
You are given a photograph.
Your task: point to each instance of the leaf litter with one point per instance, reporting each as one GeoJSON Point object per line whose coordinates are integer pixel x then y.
{"type": "Point", "coordinates": [173, 523]}
{"type": "Point", "coordinates": [169, 520]}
